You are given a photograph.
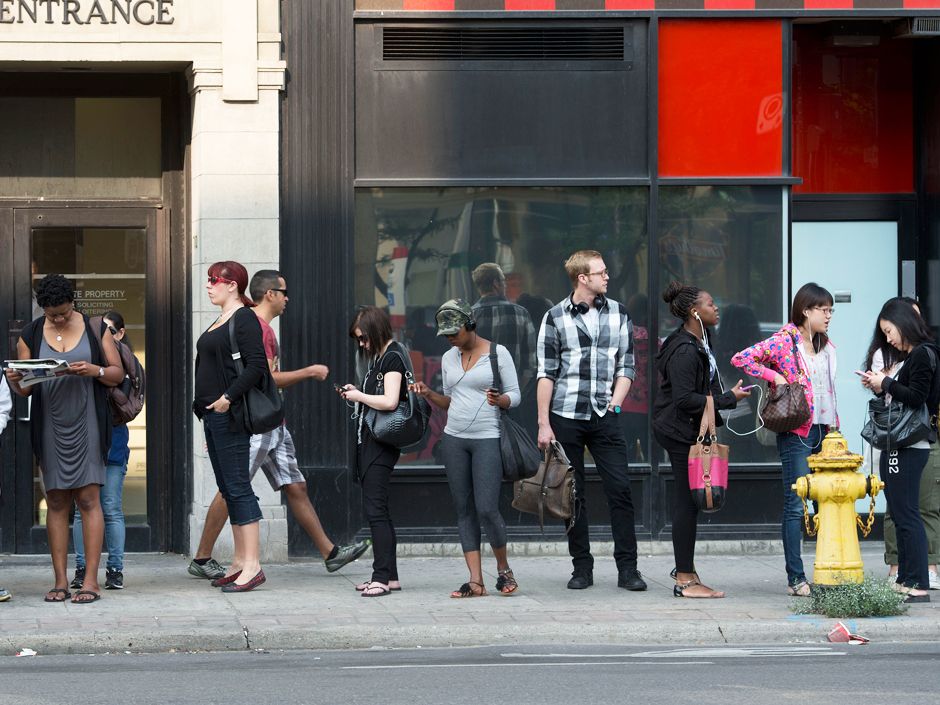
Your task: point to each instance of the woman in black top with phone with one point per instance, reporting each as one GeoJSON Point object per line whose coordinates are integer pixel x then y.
{"type": "Point", "coordinates": [385, 359]}
{"type": "Point", "coordinates": [219, 387]}
{"type": "Point", "coordinates": [915, 384]}
{"type": "Point", "coordinates": [689, 374]}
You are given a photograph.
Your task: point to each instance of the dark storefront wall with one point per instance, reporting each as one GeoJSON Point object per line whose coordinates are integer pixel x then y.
{"type": "Point", "coordinates": [436, 218]}
{"type": "Point", "coordinates": [446, 168]}
{"type": "Point", "coordinates": [90, 180]}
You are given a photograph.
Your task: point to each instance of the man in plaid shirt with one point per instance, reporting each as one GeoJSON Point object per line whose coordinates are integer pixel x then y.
{"type": "Point", "coordinates": [585, 369]}
{"type": "Point", "coordinates": [503, 322]}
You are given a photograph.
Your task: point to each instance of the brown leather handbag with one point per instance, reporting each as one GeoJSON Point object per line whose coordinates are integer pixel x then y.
{"type": "Point", "coordinates": [786, 408]}
{"type": "Point", "coordinates": [551, 490]}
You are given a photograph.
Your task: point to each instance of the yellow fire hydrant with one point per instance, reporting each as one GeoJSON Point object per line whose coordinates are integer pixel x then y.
{"type": "Point", "coordinates": [835, 486]}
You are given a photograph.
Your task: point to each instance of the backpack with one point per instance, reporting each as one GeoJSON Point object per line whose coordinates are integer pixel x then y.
{"type": "Point", "coordinates": [126, 399]}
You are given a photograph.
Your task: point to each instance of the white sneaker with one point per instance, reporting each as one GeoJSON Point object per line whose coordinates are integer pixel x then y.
{"type": "Point", "coordinates": [933, 580]}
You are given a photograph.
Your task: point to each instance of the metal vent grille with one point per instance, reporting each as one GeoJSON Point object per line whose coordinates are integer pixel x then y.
{"type": "Point", "coordinates": [503, 44]}
{"type": "Point", "coordinates": [926, 26]}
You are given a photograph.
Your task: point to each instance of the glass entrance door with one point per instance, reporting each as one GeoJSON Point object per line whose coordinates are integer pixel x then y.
{"type": "Point", "coordinates": [104, 252]}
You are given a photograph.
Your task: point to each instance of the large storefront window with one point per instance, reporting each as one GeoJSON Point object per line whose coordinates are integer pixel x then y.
{"type": "Point", "coordinates": [416, 248]}
{"type": "Point", "coordinates": [728, 241]}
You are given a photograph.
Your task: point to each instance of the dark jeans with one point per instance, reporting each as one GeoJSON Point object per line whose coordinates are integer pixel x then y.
{"type": "Point", "coordinates": [901, 471]}
{"type": "Point", "coordinates": [228, 452]}
{"type": "Point", "coordinates": [794, 450]}
{"type": "Point", "coordinates": [375, 483]}
{"type": "Point", "coordinates": [928, 504]}
{"type": "Point", "coordinates": [684, 508]}
{"type": "Point", "coordinates": [603, 437]}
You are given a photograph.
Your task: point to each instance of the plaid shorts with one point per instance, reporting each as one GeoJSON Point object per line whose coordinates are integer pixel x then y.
{"type": "Point", "coordinates": [273, 452]}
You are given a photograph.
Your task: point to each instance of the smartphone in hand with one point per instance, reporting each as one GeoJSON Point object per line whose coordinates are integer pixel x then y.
{"type": "Point", "coordinates": [859, 373]}
{"type": "Point", "coordinates": [748, 387]}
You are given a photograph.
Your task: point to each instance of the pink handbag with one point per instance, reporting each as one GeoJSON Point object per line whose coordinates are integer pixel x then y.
{"type": "Point", "coordinates": [708, 464]}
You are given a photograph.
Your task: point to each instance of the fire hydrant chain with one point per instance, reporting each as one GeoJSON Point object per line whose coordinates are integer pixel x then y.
{"type": "Point", "coordinates": [811, 531]}
{"type": "Point", "coordinates": [865, 527]}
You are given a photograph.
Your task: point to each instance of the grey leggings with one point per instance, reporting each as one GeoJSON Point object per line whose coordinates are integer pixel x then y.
{"type": "Point", "coordinates": [475, 474]}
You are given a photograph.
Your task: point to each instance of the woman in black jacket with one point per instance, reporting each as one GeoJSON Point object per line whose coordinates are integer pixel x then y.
{"type": "Point", "coordinates": [917, 383]}
{"type": "Point", "coordinates": [219, 389]}
{"type": "Point", "coordinates": [689, 374]}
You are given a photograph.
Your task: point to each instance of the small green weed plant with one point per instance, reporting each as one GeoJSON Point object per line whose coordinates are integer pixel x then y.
{"type": "Point", "coordinates": [873, 597]}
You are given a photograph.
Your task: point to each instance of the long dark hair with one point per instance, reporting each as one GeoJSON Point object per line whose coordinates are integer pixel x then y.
{"type": "Point", "coordinates": [890, 355]}
{"type": "Point", "coordinates": [118, 320]}
{"type": "Point", "coordinates": [810, 295]}
{"type": "Point", "coordinates": [375, 325]}
{"type": "Point", "coordinates": [910, 325]}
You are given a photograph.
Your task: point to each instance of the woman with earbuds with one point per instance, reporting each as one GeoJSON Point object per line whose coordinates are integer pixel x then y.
{"type": "Point", "coordinates": [799, 352]}
{"type": "Point", "coordinates": [471, 439]}
{"type": "Point", "coordinates": [689, 375]}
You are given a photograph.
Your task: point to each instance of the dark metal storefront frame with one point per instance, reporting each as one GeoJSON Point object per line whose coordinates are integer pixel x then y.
{"type": "Point", "coordinates": [167, 318]}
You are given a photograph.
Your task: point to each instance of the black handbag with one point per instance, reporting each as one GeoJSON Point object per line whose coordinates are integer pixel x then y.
{"type": "Point", "coordinates": [896, 425]}
{"type": "Point", "coordinates": [405, 425]}
{"type": "Point", "coordinates": [261, 409]}
{"type": "Point", "coordinates": [519, 453]}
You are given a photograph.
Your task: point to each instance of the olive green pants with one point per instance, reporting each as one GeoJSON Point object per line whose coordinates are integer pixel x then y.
{"type": "Point", "coordinates": [929, 505]}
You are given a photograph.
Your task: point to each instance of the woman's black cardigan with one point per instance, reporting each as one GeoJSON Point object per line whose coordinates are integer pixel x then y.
{"type": "Point", "coordinates": [918, 382]}
{"type": "Point", "coordinates": [685, 386]}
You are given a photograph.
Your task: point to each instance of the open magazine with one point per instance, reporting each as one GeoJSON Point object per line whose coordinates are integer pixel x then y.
{"type": "Point", "coordinates": [36, 371]}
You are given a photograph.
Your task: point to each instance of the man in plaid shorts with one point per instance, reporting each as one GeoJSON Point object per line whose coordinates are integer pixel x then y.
{"type": "Point", "coordinates": [585, 369]}
{"type": "Point", "coordinates": [273, 452]}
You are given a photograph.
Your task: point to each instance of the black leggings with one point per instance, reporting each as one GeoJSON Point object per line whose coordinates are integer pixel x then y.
{"type": "Point", "coordinates": [684, 510]}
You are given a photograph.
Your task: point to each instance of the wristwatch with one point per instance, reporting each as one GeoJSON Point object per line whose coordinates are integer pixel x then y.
{"type": "Point", "coordinates": [100, 371]}
{"type": "Point", "coordinates": [615, 409]}
{"type": "Point", "coordinates": [227, 397]}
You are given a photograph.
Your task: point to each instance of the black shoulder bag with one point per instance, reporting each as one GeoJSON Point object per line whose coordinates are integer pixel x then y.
{"type": "Point", "coordinates": [405, 425]}
{"type": "Point", "coordinates": [896, 425]}
{"type": "Point", "coordinates": [520, 454]}
{"type": "Point", "coordinates": [261, 409]}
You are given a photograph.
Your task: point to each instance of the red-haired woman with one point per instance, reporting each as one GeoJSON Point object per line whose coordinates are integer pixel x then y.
{"type": "Point", "coordinates": [218, 386]}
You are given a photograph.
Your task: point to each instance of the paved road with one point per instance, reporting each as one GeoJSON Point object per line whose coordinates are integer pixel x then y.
{"type": "Point", "coordinates": [677, 675]}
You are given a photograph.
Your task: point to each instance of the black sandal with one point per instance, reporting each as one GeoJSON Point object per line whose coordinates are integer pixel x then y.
{"type": "Point", "coordinates": [466, 590]}
{"type": "Point", "coordinates": [57, 591]}
{"type": "Point", "coordinates": [506, 583]}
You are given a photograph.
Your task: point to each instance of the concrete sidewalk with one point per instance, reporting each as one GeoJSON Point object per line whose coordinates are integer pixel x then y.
{"type": "Point", "coordinates": [303, 607]}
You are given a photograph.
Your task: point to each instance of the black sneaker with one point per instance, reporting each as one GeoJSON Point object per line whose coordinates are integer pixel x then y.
{"type": "Point", "coordinates": [79, 578]}
{"type": "Point", "coordinates": [631, 579]}
{"type": "Point", "coordinates": [114, 580]}
{"type": "Point", "coordinates": [580, 580]}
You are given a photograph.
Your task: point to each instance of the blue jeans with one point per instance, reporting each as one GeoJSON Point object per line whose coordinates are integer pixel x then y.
{"type": "Point", "coordinates": [794, 450]}
{"type": "Point", "coordinates": [112, 506]}
{"type": "Point", "coordinates": [228, 452]}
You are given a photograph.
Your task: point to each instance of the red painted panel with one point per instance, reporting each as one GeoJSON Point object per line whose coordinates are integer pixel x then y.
{"type": "Point", "coordinates": [630, 4]}
{"type": "Point", "coordinates": [853, 115]}
{"type": "Point", "coordinates": [530, 4]}
{"type": "Point", "coordinates": [730, 4]}
{"type": "Point", "coordinates": [921, 4]}
{"type": "Point", "coordinates": [828, 4]}
{"type": "Point", "coordinates": [720, 97]}
{"type": "Point", "coordinates": [430, 5]}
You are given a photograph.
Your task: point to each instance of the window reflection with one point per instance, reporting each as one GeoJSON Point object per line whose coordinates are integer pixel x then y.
{"type": "Point", "coordinates": [416, 248]}
{"type": "Point", "coordinates": [728, 240]}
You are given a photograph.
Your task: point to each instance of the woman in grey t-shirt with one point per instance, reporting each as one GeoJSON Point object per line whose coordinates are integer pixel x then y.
{"type": "Point", "coordinates": [471, 439]}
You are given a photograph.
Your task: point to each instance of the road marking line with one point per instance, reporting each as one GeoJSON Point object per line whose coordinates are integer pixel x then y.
{"type": "Point", "coordinates": [715, 652]}
{"type": "Point", "coordinates": [516, 665]}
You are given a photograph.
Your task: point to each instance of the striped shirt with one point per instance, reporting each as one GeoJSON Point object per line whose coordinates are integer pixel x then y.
{"type": "Point", "coordinates": [582, 363]}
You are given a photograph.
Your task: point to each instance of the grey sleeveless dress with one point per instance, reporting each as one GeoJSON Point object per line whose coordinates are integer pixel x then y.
{"type": "Point", "coordinates": [71, 447]}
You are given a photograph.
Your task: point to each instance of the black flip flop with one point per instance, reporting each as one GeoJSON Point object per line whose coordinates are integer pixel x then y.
{"type": "Point", "coordinates": [85, 602]}
{"type": "Point", "coordinates": [56, 591]}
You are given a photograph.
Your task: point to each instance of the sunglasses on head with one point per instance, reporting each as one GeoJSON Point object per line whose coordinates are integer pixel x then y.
{"type": "Point", "coordinates": [213, 280]}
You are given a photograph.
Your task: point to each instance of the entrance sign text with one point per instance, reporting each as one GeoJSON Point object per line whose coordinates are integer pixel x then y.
{"type": "Point", "coordinates": [95, 12]}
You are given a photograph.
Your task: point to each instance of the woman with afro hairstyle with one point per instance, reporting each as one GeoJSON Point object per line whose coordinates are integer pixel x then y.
{"type": "Point", "coordinates": [71, 424]}
{"type": "Point", "coordinates": [689, 375]}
